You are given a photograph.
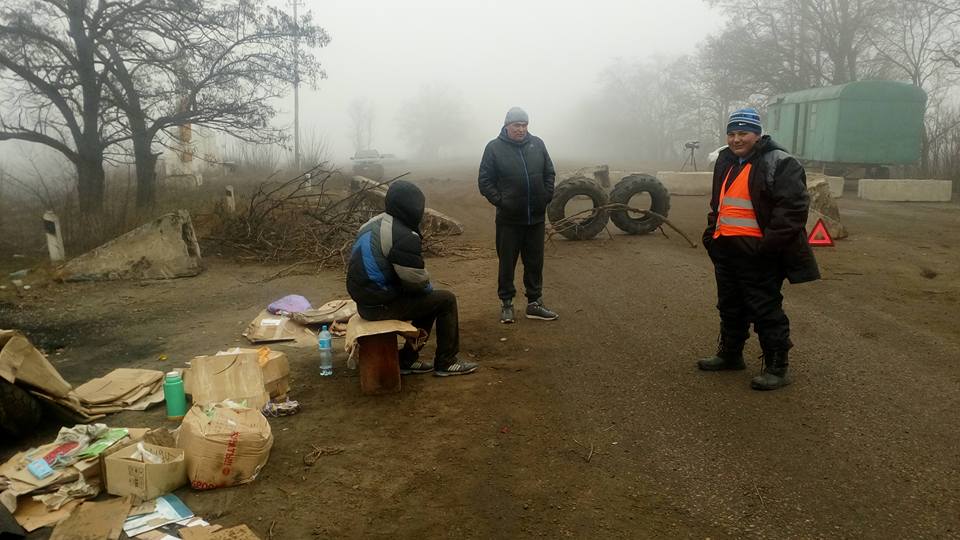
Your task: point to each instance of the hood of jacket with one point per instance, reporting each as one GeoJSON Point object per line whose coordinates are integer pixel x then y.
{"type": "Point", "coordinates": [405, 201]}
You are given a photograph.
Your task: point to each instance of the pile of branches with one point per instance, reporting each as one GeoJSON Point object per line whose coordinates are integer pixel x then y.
{"type": "Point", "coordinates": [305, 222]}
{"type": "Point", "coordinates": [302, 221]}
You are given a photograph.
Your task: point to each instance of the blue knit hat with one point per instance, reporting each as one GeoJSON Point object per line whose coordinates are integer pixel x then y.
{"type": "Point", "coordinates": [746, 119]}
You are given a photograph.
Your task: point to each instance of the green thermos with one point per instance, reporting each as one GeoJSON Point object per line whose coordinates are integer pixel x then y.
{"type": "Point", "coordinates": [174, 395]}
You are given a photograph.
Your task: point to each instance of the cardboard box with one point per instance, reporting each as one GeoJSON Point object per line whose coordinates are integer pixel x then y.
{"type": "Point", "coordinates": [236, 377]}
{"type": "Point", "coordinates": [275, 369]}
{"type": "Point", "coordinates": [224, 446]}
{"type": "Point", "coordinates": [276, 374]}
{"type": "Point", "coordinates": [128, 474]}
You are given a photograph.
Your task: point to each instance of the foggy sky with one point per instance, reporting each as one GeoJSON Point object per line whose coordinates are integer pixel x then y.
{"type": "Point", "coordinates": [545, 56]}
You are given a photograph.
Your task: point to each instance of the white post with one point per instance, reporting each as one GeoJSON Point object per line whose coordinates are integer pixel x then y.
{"type": "Point", "coordinates": [229, 201]}
{"type": "Point", "coordinates": [51, 225]}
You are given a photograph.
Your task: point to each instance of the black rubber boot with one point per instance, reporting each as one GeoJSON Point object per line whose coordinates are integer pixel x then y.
{"type": "Point", "coordinates": [774, 374]}
{"type": "Point", "coordinates": [729, 357]}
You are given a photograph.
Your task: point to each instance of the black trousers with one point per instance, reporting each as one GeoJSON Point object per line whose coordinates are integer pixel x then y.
{"type": "Point", "coordinates": [525, 241]}
{"type": "Point", "coordinates": [748, 291]}
{"type": "Point", "coordinates": [424, 310]}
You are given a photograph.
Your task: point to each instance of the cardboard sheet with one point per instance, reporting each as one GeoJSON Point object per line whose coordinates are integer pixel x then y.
{"type": "Point", "coordinates": [33, 515]}
{"type": "Point", "coordinates": [122, 386]}
{"type": "Point", "coordinates": [21, 361]}
{"type": "Point", "coordinates": [101, 520]}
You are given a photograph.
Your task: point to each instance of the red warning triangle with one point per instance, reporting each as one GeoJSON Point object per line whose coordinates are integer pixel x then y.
{"type": "Point", "coordinates": [819, 235]}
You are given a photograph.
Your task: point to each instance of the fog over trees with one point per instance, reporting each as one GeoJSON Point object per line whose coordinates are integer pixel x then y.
{"type": "Point", "coordinates": [101, 83]}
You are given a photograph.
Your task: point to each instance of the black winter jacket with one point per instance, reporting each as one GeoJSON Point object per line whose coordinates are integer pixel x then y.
{"type": "Point", "coordinates": [517, 178]}
{"type": "Point", "coordinates": [387, 258]}
{"type": "Point", "coordinates": [778, 190]}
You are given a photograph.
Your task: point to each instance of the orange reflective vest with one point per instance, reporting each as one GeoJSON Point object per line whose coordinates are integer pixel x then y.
{"type": "Point", "coordinates": [735, 215]}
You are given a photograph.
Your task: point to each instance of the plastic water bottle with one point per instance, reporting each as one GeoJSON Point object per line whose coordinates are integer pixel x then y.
{"type": "Point", "coordinates": [325, 342]}
{"type": "Point", "coordinates": [174, 395]}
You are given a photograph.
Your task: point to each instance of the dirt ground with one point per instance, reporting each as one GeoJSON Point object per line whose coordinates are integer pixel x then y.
{"type": "Point", "coordinates": [597, 425]}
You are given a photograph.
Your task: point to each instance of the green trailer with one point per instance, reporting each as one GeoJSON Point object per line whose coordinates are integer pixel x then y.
{"type": "Point", "coordinates": [864, 124]}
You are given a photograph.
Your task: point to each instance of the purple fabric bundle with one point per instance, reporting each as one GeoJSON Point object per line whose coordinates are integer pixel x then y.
{"type": "Point", "coordinates": [293, 303]}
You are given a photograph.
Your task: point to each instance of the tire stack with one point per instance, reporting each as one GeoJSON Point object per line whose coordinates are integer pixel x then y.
{"type": "Point", "coordinates": [622, 192]}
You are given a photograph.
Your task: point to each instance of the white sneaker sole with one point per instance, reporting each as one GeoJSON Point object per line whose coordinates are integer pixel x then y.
{"type": "Point", "coordinates": [441, 373]}
{"type": "Point", "coordinates": [539, 318]}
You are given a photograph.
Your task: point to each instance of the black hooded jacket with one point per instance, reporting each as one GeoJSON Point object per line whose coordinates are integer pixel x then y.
{"type": "Point", "coordinates": [517, 177]}
{"type": "Point", "coordinates": [778, 191]}
{"type": "Point", "coordinates": [387, 258]}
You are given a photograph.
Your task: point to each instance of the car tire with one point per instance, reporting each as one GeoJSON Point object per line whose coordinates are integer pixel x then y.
{"type": "Point", "coordinates": [626, 189]}
{"type": "Point", "coordinates": [587, 228]}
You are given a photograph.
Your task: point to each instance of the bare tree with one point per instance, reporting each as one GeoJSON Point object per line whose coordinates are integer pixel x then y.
{"type": "Point", "coordinates": [85, 76]}
{"type": "Point", "coordinates": [361, 123]}
{"type": "Point", "coordinates": [52, 84]}
{"type": "Point", "coordinates": [218, 65]}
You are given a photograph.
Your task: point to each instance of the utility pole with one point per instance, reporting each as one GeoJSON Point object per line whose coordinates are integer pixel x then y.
{"type": "Point", "coordinates": [296, 87]}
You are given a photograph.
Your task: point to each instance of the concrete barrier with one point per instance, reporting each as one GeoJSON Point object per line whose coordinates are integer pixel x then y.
{"type": "Point", "coordinates": [687, 183]}
{"type": "Point", "coordinates": [161, 249]}
{"type": "Point", "coordinates": [823, 206]}
{"type": "Point", "coordinates": [912, 190]}
{"type": "Point", "coordinates": [835, 183]}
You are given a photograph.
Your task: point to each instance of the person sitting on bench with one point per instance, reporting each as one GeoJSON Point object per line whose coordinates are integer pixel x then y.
{"type": "Point", "coordinates": [387, 278]}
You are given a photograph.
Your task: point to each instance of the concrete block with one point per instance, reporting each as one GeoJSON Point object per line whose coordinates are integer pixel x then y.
{"type": "Point", "coordinates": [162, 249]}
{"type": "Point", "coordinates": [433, 222]}
{"type": "Point", "coordinates": [835, 183]}
{"type": "Point", "coordinates": [905, 190]}
{"type": "Point", "coordinates": [687, 183]}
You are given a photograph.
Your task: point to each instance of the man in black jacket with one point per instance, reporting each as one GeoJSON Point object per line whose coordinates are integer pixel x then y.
{"type": "Point", "coordinates": [516, 176]}
{"type": "Point", "coordinates": [387, 278]}
{"type": "Point", "coordinates": [756, 237]}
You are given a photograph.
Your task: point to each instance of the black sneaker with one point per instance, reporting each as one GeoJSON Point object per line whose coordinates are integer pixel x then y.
{"type": "Point", "coordinates": [416, 368]}
{"type": "Point", "coordinates": [536, 310]}
{"type": "Point", "coordinates": [506, 313]}
{"type": "Point", "coordinates": [458, 367]}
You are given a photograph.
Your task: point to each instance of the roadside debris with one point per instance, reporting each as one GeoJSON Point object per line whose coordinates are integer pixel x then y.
{"type": "Point", "coordinates": [165, 248]}
{"type": "Point", "coordinates": [287, 325]}
{"type": "Point", "coordinates": [154, 514]}
{"type": "Point", "coordinates": [434, 225]}
{"type": "Point", "coordinates": [94, 520]}
{"type": "Point", "coordinates": [121, 389]}
{"type": "Point", "coordinates": [145, 471]}
{"type": "Point", "coordinates": [314, 455]}
{"type": "Point", "coordinates": [75, 473]}
{"type": "Point", "coordinates": [286, 407]}
{"type": "Point", "coordinates": [224, 444]}
{"type": "Point", "coordinates": [237, 377]}
{"type": "Point", "coordinates": [292, 303]}
{"type": "Point", "coordinates": [824, 206]}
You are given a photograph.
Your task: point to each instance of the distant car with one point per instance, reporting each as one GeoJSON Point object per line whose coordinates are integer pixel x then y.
{"type": "Point", "coordinates": [368, 163]}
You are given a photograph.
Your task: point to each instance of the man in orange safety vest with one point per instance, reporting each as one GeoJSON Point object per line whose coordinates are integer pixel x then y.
{"type": "Point", "coordinates": [756, 238]}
